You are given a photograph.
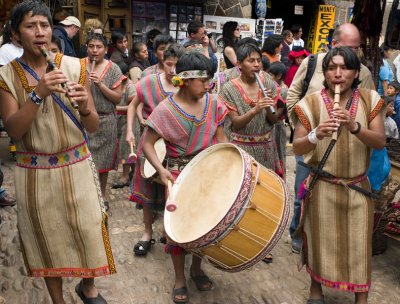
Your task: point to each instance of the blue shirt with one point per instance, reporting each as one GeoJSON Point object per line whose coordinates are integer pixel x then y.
{"type": "Point", "coordinates": [385, 73]}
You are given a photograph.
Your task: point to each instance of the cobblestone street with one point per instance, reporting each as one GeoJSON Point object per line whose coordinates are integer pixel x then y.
{"type": "Point", "coordinates": [150, 279]}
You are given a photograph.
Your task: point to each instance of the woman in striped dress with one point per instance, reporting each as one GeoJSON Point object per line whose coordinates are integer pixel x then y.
{"type": "Point", "coordinates": [151, 90]}
{"type": "Point", "coordinates": [189, 121]}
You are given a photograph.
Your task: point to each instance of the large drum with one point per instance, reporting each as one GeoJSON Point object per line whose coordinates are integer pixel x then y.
{"type": "Point", "coordinates": [230, 210]}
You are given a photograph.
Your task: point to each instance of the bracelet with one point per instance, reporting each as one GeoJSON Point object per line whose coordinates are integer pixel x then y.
{"type": "Point", "coordinates": [312, 136]}
{"type": "Point", "coordinates": [356, 131]}
{"type": "Point", "coordinates": [85, 114]}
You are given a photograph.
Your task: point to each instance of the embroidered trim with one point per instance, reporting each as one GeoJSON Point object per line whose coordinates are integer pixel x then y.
{"type": "Point", "coordinates": [227, 104]}
{"type": "Point", "coordinates": [72, 272]}
{"type": "Point", "coordinates": [4, 86]}
{"type": "Point", "coordinates": [107, 244]}
{"type": "Point", "coordinates": [119, 81]}
{"type": "Point", "coordinates": [192, 118]}
{"type": "Point", "coordinates": [329, 103]}
{"type": "Point", "coordinates": [82, 74]}
{"type": "Point", "coordinates": [302, 118]}
{"type": "Point", "coordinates": [246, 98]}
{"type": "Point", "coordinates": [376, 110]}
{"type": "Point", "coordinates": [49, 161]}
{"type": "Point", "coordinates": [242, 138]}
{"type": "Point", "coordinates": [58, 59]}
{"type": "Point", "coordinates": [21, 75]}
{"type": "Point", "coordinates": [339, 285]}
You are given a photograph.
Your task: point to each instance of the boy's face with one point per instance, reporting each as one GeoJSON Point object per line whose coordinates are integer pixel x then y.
{"type": "Point", "coordinates": [391, 91]}
{"type": "Point", "coordinates": [390, 109]}
{"type": "Point", "coordinates": [122, 44]}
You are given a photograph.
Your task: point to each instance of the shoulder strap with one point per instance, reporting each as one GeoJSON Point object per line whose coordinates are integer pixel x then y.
{"type": "Point", "coordinates": [312, 63]}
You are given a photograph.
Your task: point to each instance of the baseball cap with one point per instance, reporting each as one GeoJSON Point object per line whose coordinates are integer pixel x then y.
{"type": "Point", "coordinates": [71, 20]}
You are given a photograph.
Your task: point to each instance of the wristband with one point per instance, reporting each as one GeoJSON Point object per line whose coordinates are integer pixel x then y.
{"type": "Point", "coordinates": [35, 98]}
{"type": "Point", "coordinates": [312, 136]}
{"type": "Point", "coordinates": [356, 131]}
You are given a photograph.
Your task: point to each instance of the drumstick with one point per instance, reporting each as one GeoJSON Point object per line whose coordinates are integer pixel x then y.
{"type": "Point", "coordinates": [171, 204]}
{"type": "Point", "coordinates": [336, 100]}
{"type": "Point", "coordinates": [53, 66]}
{"type": "Point", "coordinates": [132, 156]}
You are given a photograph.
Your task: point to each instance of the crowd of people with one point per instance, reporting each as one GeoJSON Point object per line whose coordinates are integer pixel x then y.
{"type": "Point", "coordinates": [117, 100]}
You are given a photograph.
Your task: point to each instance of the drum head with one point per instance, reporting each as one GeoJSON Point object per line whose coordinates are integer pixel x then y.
{"type": "Point", "coordinates": [161, 150]}
{"type": "Point", "coordinates": [204, 192]}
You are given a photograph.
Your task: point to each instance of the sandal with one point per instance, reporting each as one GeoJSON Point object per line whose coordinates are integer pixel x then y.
{"type": "Point", "coordinates": [119, 184]}
{"type": "Point", "coordinates": [268, 259]}
{"type": "Point", "coordinates": [179, 292]}
{"type": "Point", "coordinates": [142, 247]}
{"type": "Point", "coordinates": [202, 282]}
{"type": "Point", "coordinates": [316, 301]}
{"type": "Point", "coordinates": [97, 300]}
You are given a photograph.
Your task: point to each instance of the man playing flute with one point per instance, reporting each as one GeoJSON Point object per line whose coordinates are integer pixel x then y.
{"type": "Point", "coordinates": [61, 216]}
{"type": "Point", "coordinates": [337, 221]}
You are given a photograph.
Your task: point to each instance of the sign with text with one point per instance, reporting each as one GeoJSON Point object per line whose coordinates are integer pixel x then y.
{"type": "Point", "coordinates": [325, 22]}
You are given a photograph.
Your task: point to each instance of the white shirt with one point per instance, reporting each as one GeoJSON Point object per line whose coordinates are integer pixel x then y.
{"type": "Point", "coordinates": [391, 130]}
{"type": "Point", "coordinates": [8, 52]}
{"type": "Point", "coordinates": [299, 42]}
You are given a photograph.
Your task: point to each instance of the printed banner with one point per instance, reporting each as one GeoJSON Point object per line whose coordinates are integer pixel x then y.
{"type": "Point", "coordinates": [325, 22]}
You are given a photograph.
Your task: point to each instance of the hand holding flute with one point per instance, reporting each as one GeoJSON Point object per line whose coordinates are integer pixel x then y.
{"type": "Point", "coordinates": [271, 108]}
{"type": "Point", "coordinates": [52, 67]}
{"type": "Point", "coordinates": [55, 81]}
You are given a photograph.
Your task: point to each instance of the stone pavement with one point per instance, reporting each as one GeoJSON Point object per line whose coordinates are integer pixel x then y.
{"type": "Point", "coordinates": [150, 280]}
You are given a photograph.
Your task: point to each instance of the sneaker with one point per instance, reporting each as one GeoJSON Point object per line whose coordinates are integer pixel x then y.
{"type": "Point", "coordinates": [296, 245]}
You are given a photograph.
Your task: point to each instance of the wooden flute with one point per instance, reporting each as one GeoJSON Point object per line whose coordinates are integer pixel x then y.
{"type": "Point", "coordinates": [272, 109]}
{"type": "Point", "coordinates": [52, 66]}
{"type": "Point", "coordinates": [336, 101]}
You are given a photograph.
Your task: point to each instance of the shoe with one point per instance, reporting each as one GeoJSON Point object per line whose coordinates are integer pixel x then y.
{"type": "Point", "coordinates": [202, 282]}
{"type": "Point", "coordinates": [7, 200]}
{"type": "Point", "coordinates": [268, 259]}
{"type": "Point", "coordinates": [97, 300]}
{"type": "Point", "coordinates": [180, 292]}
{"type": "Point", "coordinates": [296, 245]}
{"type": "Point", "coordinates": [118, 185]}
{"type": "Point", "coordinates": [143, 247]}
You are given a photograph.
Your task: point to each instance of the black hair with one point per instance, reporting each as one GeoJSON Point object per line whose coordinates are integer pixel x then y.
{"type": "Point", "coordinates": [194, 26]}
{"type": "Point", "coordinates": [388, 99]}
{"type": "Point", "coordinates": [286, 33]}
{"type": "Point", "coordinates": [295, 29]}
{"type": "Point", "coordinates": [97, 36]}
{"type": "Point", "coordinates": [162, 39]}
{"type": "Point", "coordinates": [57, 41]}
{"type": "Point", "coordinates": [123, 67]}
{"type": "Point", "coordinates": [228, 31]}
{"type": "Point", "coordinates": [350, 60]}
{"type": "Point", "coordinates": [246, 40]}
{"type": "Point", "coordinates": [7, 33]}
{"type": "Point", "coordinates": [136, 49]}
{"type": "Point", "coordinates": [151, 35]}
{"type": "Point", "coordinates": [395, 85]}
{"type": "Point", "coordinates": [271, 43]}
{"type": "Point", "coordinates": [174, 51]}
{"type": "Point", "coordinates": [21, 9]}
{"type": "Point", "coordinates": [277, 68]}
{"type": "Point", "coordinates": [190, 43]}
{"type": "Point", "coordinates": [265, 63]}
{"type": "Point", "coordinates": [117, 36]}
{"type": "Point", "coordinates": [245, 50]}
{"type": "Point", "coordinates": [194, 61]}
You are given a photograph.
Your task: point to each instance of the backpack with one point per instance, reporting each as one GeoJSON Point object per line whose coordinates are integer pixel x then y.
{"type": "Point", "coordinates": [312, 63]}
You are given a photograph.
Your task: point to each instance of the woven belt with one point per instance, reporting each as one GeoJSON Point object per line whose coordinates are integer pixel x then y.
{"type": "Point", "coordinates": [177, 164]}
{"type": "Point", "coordinates": [249, 139]}
{"type": "Point", "coordinates": [50, 161]}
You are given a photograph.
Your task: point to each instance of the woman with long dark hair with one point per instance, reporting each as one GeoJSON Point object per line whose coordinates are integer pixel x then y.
{"type": "Point", "coordinates": [230, 37]}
